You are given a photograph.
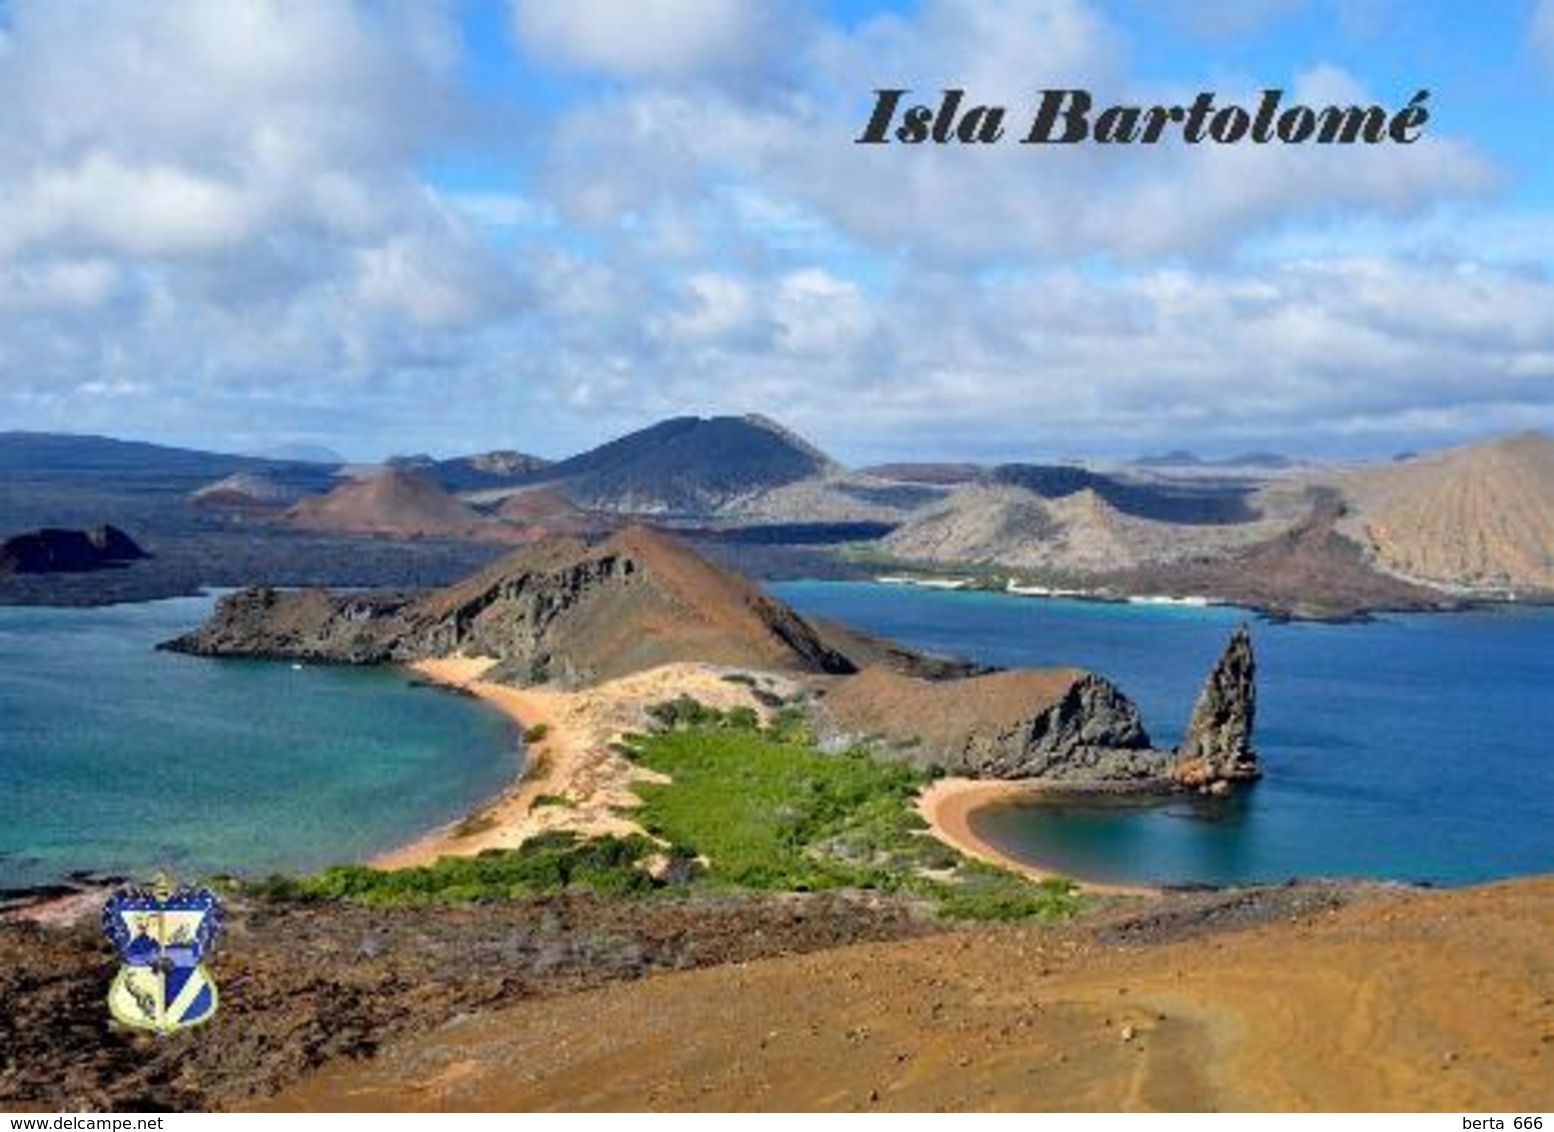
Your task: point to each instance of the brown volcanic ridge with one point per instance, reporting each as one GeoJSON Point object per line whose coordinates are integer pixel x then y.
{"type": "Point", "coordinates": [1059, 724]}
{"type": "Point", "coordinates": [543, 511]}
{"type": "Point", "coordinates": [1311, 570]}
{"type": "Point", "coordinates": [1479, 517]}
{"type": "Point", "coordinates": [558, 610]}
{"type": "Point", "coordinates": [563, 612]}
{"type": "Point", "coordinates": [393, 501]}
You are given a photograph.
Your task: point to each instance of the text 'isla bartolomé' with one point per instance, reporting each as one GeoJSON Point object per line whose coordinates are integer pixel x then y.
{"type": "Point", "coordinates": [1069, 116]}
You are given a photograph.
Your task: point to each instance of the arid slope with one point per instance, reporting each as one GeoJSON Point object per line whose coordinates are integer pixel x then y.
{"type": "Point", "coordinates": [405, 504]}
{"type": "Point", "coordinates": [1076, 535]}
{"type": "Point", "coordinates": [1479, 517]}
{"type": "Point", "coordinates": [1438, 1001]}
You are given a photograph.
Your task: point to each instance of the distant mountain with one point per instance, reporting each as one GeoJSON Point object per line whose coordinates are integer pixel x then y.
{"type": "Point", "coordinates": [1075, 534]}
{"type": "Point", "coordinates": [1480, 516]}
{"type": "Point", "coordinates": [687, 466]}
{"type": "Point", "coordinates": [1182, 458]}
{"type": "Point", "coordinates": [934, 474]}
{"type": "Point", "coordinates": [483, 471]}
{"type": "Point", "coordinates": [834, 498]}
{"type": "Point", "coordinates": [1176, 458]}
{"type": "Point", "coordinates": [246, 491]}
{"type": "Point", "coordinates": [55, 551]}
{"type": "Point", "coordinates": [301, 454]}
{"type": "Point", "coordinates": [1203, 501]}
{"type": "Point", "coordinates": [68, 457]}
{"type": "Point", "coordinates": [392, 501]}
{"type": "Point", "coordinates": [540, 512]}
{"type": "Point", "coordinates": [1308, 570]}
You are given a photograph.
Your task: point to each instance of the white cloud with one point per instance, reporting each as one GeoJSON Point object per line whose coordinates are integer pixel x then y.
{"type": "Point", "coordinates": [216, 215]}
{"type": "Point", "coordinates": [617, 161]}
{"type": "Point", "coordinates": [718, 310]}
{"type": "Point", "coordinates": [1540, 33]}
{"type": "Point", "coordinates": [211, 197]}
{"type": "Point", "coordinates": [819, 314]}
{"type": "Point", "coordinates": [654, 39]}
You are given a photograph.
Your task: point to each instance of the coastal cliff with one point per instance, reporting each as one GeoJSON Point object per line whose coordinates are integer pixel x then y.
{"type": "Point", "coordinates": [559, 611]}
{"type": "Point", "coordinates": [1061, 724]}
{"type": "Point", "coordinates": [571, 615]}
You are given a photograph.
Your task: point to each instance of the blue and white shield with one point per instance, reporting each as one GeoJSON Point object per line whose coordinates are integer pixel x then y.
{"type": "Point", "coordinates": [162, 935]}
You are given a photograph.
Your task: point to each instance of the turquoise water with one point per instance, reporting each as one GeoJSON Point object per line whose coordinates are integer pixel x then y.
{"type": "Point", "coordinates": [1412, 748]}
{"type": "Point", "coordinates": [115, 757]}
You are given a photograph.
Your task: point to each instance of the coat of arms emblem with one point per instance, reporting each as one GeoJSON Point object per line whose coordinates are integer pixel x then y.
{"type": "Point", "coordinates": [162, 934]}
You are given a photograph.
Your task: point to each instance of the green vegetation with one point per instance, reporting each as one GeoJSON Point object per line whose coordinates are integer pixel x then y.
{"type": "Point", "coordinates": [536, 734]}
{"type": "Point", "coordinates": [551, 862]}
{"type": "Point", "coordinates": [551, 800]}
{"type": "Point", "coordinates": [769, 811]}
{"type": "Point", "coordinates": [761, 807]}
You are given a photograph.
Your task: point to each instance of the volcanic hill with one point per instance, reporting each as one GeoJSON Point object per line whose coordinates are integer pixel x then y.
{"type": "Point", "coordinates": [687, 466]}
{"type": "Point", "coordinates": [392, 501]}
{"type": "Point", "coordinates": [558, 610]}
{"type": "Point", "coordinates": [1080, 533]}
{"type": "Point", "coordinates": [1480, 517]}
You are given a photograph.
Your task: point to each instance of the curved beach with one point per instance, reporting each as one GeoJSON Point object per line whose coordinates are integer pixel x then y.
{"type": "Point", "coordinates": [947, 806]}
{"type": "Point", "coordinates": [573, 780]}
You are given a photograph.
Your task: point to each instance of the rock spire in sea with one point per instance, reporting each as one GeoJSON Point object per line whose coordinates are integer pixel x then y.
{"type": "Point", "coordinates": [1217, 749]}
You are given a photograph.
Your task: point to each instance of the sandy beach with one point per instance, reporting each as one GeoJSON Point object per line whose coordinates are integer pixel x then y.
{"type": "Point", "coordinates": [947, 806]}
{"type": "Point", "coordinates": [573, 780]}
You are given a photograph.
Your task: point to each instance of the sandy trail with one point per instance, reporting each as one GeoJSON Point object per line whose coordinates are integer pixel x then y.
{"type": "Point", "coordinates": [574, 761]}
{"type": "Point", "coordinates": [1437, 1001]}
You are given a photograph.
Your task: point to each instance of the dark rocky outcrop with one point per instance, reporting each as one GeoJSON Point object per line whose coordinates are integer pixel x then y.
{"type": "Point", "coordinates": [56, 551]}
{"type": "Point", "coordinates": [556, 611]}
{"type": "Point", "coordinates": [1064, 726]}
{"type": "Point", "coordinates": [1217, 749]}
{"type": "Point", "coordinates": [1060, 724]}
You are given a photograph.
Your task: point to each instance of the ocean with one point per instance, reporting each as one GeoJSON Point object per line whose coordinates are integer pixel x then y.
{"type": "Point", "coordinates": [1415, 747]}
{"type": "Point", "coordinates": [117, 758]}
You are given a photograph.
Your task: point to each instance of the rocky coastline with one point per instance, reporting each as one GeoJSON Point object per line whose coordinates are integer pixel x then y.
{"type": "Point", "coordinates": [570, 616]}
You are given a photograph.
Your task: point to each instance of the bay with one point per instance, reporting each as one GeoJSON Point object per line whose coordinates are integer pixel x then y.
{"type": "Point", "coordinates": [117, 758]}
{"type": "Point", "coordinates": [1415, 747]}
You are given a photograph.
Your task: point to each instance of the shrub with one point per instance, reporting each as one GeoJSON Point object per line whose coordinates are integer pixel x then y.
{"type": "Point", "coordinates": [551, 862]}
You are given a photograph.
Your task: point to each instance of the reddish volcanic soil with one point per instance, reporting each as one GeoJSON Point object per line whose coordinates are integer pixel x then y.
{"type": "Point", "coordinates": [1408, 1000]}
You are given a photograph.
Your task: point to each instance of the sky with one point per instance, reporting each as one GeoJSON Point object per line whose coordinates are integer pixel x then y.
{"type": "Point", "coordinates": [537, 224]}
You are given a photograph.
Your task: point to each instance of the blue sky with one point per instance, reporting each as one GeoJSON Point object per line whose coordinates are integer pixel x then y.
{"type": "Point", "coordinates": [393, 227]}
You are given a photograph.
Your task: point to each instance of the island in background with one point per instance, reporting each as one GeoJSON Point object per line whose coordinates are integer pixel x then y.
{"type": "Point", "coordinates": [720, 793]}
{"type": "Point", "coordinates": [704, 836]}
{"type": "Point", "coordinates": [1293, 539]}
